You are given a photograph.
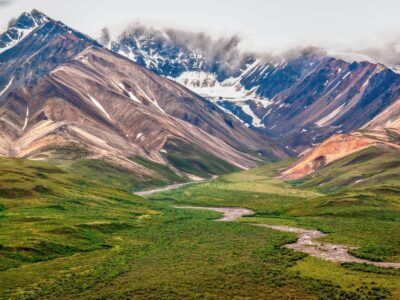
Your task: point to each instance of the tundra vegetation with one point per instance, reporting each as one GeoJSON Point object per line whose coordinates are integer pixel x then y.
{"type": "Point", "coordinates": [71, 234]}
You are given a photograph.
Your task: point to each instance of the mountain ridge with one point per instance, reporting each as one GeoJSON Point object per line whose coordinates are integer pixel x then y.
{"type": "Point", "coordinates": [301, 98]}
{"type": "Point", "coordinates": [101, 105]}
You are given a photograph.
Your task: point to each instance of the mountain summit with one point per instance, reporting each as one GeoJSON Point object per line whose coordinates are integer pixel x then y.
{"type": "Point", "coordinates": [33, 45]}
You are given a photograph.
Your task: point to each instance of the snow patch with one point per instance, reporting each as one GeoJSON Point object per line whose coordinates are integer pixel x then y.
{"type": "Point", "coordinates": [83, 59]}
{"type": "Point", "coordinates": [130, 94]}
{"type": "Point", "coordinates": [7, 86]}
{"type": "Point", "coordinates": [22, 32]}
{"type": "Point", "coordinates": [207, 85]}
{"type": "Point", "coordinates": [151, 100]}
{"type": "Point", "coordinates": [26, 119]}
{"type": "Point", "coordinates": [347, 74]}
{"type": "Point", "coordinates": [256, 120]}
{"type": "Point", "coordinates": [336, 85]}
{"type": "Point", "coordinates": [324, 121]}
{"type": "Point", "coordinates": [133, 97]}
{"type": "Point", "coordinates": [99, 106]}
{"type": "Point", "coordinates": [284, 105]}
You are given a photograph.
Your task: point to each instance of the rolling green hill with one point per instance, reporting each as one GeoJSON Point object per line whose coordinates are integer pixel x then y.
{"type": "Point", "coordinates": [372, 168]}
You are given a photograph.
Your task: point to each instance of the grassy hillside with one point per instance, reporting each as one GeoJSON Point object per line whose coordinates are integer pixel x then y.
{"type": "Point", "coordinates": [70, 233]}
{"type": "Point", "coordinates": [367, 169]}
{"type": "Point", "coordinates": [37, 194]}
{"type": "Point", "coordinates": [186, 158]}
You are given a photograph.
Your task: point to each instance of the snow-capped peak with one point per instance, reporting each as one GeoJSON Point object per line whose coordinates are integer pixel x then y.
{"type": "Point", "coordinates": [20, 28]}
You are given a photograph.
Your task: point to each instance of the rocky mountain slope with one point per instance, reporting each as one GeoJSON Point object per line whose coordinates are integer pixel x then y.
{"type": "Point", "coordinates": [382, 131]}
{"type": "Point", "coordinates": [65, 95]}
{"type": "Point", "coordinates": [300, 98]}
{"type": "Point", "coordinates": [33, 45]}
{"type": "Point", "coordinates": [340, 146]}
{"type": "Point", "coordinates": [60, 87]}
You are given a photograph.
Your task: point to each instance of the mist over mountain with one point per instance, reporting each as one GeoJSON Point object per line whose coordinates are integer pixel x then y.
{"type": "Point", "coordinates": [222, 55]}
{"type": "Point", "coordinates": [301, 96]}
{"type": "Point", "coordinates": [236, 47]}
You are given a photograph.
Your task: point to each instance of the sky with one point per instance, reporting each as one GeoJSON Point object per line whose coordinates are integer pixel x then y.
{"type": "Point", "coordinates": [264, 24]}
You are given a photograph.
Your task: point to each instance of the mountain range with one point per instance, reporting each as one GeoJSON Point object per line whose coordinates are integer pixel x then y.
{"type": "Point", "coordinates": [61, 90]}
{"type": "Point", "coordinates": [196, 105]}
{"type": "Point", "coordinates": [300, 98]}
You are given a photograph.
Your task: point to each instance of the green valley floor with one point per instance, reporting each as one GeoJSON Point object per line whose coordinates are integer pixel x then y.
{"type": "Point", "coordinates": [68, 233]}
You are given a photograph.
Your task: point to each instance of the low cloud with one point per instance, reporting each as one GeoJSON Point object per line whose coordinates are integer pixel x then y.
{"type": "Point", "coordinates": [388, 54]}
{"type": "Point", "coordinates": [105, 37]}
{"type": "Point", "coordinates": [6, 2]}
{"type": "Point", "coordinates": [226, 51]}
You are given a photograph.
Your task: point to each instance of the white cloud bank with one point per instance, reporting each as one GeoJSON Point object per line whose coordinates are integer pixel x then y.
{"type": "Point", "coordinates": [266, 25]}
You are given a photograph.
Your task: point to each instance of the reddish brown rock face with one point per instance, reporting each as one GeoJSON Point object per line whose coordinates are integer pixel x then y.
{"type": "Point", "coordinates": [332, 149]}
